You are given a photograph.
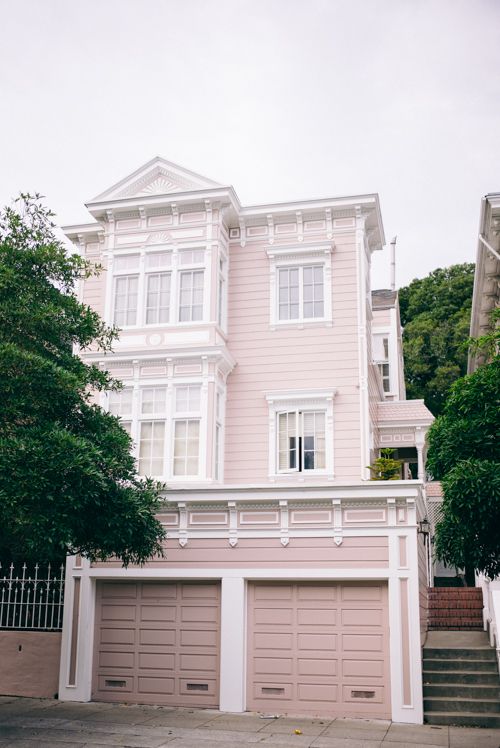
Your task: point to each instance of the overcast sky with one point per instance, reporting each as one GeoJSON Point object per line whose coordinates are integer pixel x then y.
{"type": "Point", "coordinates": [283, 99]}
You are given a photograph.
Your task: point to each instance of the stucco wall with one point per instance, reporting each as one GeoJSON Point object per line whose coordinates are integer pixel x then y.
{"type": "Point", "coordinates": [29, 663]}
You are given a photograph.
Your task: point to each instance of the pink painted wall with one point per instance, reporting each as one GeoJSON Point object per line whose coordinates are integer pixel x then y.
{"type": "Point", "coordinates": [29, 663]}
{"type": "Point", "coordinates": [301, 553]}
{"type": "Point", "coordinates": [317, 356]}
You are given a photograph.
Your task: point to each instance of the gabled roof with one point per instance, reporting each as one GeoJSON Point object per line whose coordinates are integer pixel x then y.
{"type": "Point", "coordinates": [157, 177]}
{"type": "Point", "coordinates": [394, 412]}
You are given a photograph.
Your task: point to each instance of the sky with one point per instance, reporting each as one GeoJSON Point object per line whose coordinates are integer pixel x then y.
{"type": "Point", "coordinates": [283, 99]}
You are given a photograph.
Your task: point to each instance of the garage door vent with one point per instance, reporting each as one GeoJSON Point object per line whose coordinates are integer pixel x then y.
{"type": "Point", "coordinates": [363, 694]}
{"type": "Point", "coordinates": [197, 686]}
{"type": "Point", "coordinates": [115, 683]}
{"type": "Point", "coordinates": [274, 691]}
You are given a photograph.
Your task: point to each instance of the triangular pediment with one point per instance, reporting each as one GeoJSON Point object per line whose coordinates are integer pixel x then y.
{"type": "Point", "coordinates": [157, 177]}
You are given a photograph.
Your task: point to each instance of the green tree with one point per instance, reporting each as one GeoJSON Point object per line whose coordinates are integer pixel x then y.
{"type": "Point", "coordinates": [385, 467]}
{"type": "Point", "coordinates": [435, 314]}
{"type": "Point", "coordinates": [464, 453]}
{"type": "Point", "coordinates": [67, 480]}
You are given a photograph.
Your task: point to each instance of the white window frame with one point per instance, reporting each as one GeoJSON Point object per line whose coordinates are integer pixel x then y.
{"type": "Point", "coordinates": [300, 256]}
{"type": "Point", "coordinates": [282, 401]}
{"type": "Point", "coordinates": [381, 342]}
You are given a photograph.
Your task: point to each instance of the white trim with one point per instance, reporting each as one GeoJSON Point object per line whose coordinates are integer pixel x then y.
{"type": "Point", "coordinates": [233, 635]}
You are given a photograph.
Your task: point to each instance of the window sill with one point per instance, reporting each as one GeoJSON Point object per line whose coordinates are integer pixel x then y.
{"type": "Point", "coordinates": [300, 324]}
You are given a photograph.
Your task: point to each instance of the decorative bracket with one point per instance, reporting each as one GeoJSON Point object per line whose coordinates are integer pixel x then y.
{"type": "Point", "coordinates": [284, 542]}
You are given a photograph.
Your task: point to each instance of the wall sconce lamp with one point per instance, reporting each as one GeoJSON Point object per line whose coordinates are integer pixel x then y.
{"type": "Point", "coordinates": [424, 528]}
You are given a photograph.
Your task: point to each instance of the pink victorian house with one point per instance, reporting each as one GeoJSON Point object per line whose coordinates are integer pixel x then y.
{"type": "Point", "coordinates": [261, 376]}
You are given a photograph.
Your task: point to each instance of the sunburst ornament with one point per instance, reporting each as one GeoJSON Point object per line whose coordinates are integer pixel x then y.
{"type": "Point", "coordinates": [159, 186]}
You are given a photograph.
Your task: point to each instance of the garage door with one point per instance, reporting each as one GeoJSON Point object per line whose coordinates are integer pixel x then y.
{"type": "Point", "coordinates": [157, 643]}
{"type": "Point", "coordinates": [319, 649]}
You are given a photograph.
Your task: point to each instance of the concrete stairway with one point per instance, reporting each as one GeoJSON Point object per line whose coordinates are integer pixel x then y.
{"type": "Point", "coordinates": [461, 680]}
{"type": "Point", "coordinates": [455, 608]}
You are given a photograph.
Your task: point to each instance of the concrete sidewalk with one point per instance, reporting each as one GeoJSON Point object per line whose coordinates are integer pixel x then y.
{"type": "Point", "coordinates": [44, 723]}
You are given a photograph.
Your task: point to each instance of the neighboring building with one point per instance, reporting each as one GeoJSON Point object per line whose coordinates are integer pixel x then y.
{"type": "Point", "coordinates": [261, 378]}
{"type": "Point", "coordinates": [486, 294]}
{"type": "Point", "coordinates": [486, 297]}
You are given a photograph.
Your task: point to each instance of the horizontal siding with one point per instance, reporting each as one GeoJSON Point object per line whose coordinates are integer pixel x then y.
{"type": "Point", "coordinates": [288, 358]}
{"type": "Point", "coordinates": [301, 553]}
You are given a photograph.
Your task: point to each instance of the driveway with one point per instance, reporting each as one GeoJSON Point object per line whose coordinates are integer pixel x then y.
{"type": "Point", "coordinates": [45, 723]}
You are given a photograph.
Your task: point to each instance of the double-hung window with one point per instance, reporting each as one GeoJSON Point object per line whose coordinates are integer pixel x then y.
{"type": "Point", "coordinates": [126, 290]}
{"type": "Point", "coordinates": [120, 405]}
{"type": "Point", "coordinates": [381, 350]}
{"type": "Point", "coordinates": [152, 423]}
{"type": "Point", "coordinates": [301, 441]}
{"type": "Point", "coordinates": [301, 292]}
{"type": "Point", "coordinates": [191, 296]}
{"type": "Point", "coordinates": [301, 285]}
{"type": "Point", "coordinates": [158, 285]}
{"type": "Point", "coordinates": [187, 430]}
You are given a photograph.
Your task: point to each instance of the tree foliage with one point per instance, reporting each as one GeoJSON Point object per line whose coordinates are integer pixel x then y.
{"type": "Point", "coordinates": [465, 454]}
{"type": "Point", "coordinates": [435, 314]}
{"type": "Point", "coordinates": [67, 479]}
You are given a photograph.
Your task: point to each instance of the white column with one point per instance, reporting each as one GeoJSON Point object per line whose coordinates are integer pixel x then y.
{"type": "Point", "coordinates": [420, 443]}
{"type": "Point", "coordinates": [404, 624]}
{"type": "Point", "coordinates": [233, 645]}
{"type": "Point", "coordinates": [75, 673]}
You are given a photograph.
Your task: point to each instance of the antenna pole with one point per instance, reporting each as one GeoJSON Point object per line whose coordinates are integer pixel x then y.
{"type": "Point", "coordinates": [393, 264]}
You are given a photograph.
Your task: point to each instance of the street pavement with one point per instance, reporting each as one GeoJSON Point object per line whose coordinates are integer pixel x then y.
{"type": "Point", "coordinates": [46, 723]}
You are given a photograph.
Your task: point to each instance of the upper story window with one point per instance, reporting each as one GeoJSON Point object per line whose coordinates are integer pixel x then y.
{"type": "Point", "coordinates": [191, 296]}
{"type": "Point", "coordinates": [120, 404]}
{"type": "Point", "coordinates": [381, 356]}
{"type": "Point", "coordinates": [158, 287]}
{"type": "Point", "coordinates": [301, 292]}
{"type": "Point", "coordinates": [300, 284]}
{"type": "Point", "coordinates": [187, 430]}
{"type": "Point", "coordinates": [126, 290]}
{"type": "Point", "coordinates": [301, 432]}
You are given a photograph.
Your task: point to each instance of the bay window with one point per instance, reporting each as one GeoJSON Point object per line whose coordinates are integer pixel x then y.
{"type": "Point", "coordinates": [158, 287]}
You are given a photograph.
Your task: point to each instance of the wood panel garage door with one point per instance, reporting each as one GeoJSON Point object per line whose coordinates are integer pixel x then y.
{"type": "Point", "coordinates": [319, 649]}
{"type": "Point", "coordinates": [157, 643]}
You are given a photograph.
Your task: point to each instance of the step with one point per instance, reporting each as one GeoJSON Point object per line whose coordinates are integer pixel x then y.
{"type": "Point", "coordinates": [479, 653]}
{"type": "Point", "coordinates": [458, 676]}
{"type": "Point", "coordinates": [462, 691]}
{"type": "Point", "coordinates": [460, 624]}
{"type": "Point", "coordinates": [470, 665]}
{"type": "Point", "coordinates": [465, 591]}
{"type": "Point", "coordinates": [446, 704]}
{"type": "Point", "coordinates": [465, 719]}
